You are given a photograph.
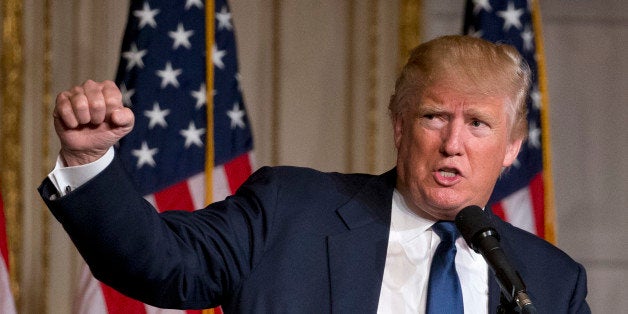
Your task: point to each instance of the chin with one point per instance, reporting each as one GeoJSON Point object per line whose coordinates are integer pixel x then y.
{"type": "Point", "coordinates": [448, 202]}
{"type": "Point", "coordinates": [439, 213]}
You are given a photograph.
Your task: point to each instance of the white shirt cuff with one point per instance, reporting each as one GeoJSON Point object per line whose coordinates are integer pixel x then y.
{"type": "Point", "coordinates": [66, 179]}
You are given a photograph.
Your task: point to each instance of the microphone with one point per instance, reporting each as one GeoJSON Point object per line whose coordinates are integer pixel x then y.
{"type": "Point", "coordinates": [479, 233]}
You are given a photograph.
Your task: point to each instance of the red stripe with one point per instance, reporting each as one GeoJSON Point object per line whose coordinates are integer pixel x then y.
{"type": "Point", "coordinates": [4, 247]}
{"type": "Point", "coordinates": [237, 171]}
{"type": "Point", "coordinates": [498, 209]}
{"type": "Point", "coordinates": [120, 304]}
{"type": "Point", "coordinates": [537, 196]}
{"type": "Point", "coordinates": [175, 197]}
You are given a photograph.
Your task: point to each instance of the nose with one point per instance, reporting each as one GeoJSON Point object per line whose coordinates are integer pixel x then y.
{"type": "Point", "coordinates": [452, 139]}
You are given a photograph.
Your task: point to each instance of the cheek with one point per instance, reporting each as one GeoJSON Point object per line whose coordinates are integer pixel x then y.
{"type": "Point", "coordinates": [416, 155]}
{"type": "Point", "coordinates": [416, 147]}
{"type": "Point", "coordinates": [489, 162]}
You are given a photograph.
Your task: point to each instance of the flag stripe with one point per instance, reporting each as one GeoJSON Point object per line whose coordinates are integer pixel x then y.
{"type": "Point", "coordinates": [196, 186]}
{"type": "Point", "coordinates": [4, 247]}
{"type": "Point", "coordinates": [518, 209]}
{"type": "Point", "coordinates": [498, 209]}
{"type": "Point", "coordinates": [7, 304]}
{"type": "Point", "coordinates": [221, 183]}
{"type": "Point", "coordinates": [92, 300]}
{"type": "Point", "coordinates": [175, 197]}
{"type": "Point", "coordinates": [538, 202]}
{"type": "Point", "coordinates": [120, 304]}
{"type": "Point", "coordinates": [237, 171]}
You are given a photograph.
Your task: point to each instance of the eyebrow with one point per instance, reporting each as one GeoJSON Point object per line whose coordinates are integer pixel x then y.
{"type": "Point", "coordinates": [481, 115]}
{"type": "Point", "coordinates": [431, 108]}
{"type": "Point", "coordinates": [468, 112]}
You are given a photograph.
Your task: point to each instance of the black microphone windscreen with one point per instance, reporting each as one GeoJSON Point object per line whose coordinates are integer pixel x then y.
{"type": "Point", "coordinates": [472, 221]}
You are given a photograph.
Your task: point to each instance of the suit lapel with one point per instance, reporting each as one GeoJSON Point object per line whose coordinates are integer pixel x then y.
{"type": "Point", "coordinates": [493, 292]}
{"type": "Point", "coordinates": [494, 288]}
{"type": "Point", "coordinates": [357, 256]}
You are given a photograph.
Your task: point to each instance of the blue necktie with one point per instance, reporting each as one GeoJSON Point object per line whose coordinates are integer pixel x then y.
{"type": "Point", "coordinates": [444, 294]}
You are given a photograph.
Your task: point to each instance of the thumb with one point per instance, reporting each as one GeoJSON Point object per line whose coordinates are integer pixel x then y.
{"type": "Point", "coordinates": [122, 118]}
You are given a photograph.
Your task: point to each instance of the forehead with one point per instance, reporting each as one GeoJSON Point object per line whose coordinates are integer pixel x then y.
{"type": "Point", "coordinates": [449, 96]}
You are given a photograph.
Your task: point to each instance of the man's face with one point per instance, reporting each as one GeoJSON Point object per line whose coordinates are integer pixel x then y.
{"type": "Point", "coordinates": [451, 149]}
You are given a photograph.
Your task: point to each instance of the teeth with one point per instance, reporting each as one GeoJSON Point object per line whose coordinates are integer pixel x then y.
{"type": "Point", "coordinates": [447, 174]}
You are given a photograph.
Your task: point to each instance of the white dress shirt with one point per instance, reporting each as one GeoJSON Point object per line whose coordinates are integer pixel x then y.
{"type": "Point", "coordinates": [411, 245]}
{"type": "Point", "coordinates": [66, 179]}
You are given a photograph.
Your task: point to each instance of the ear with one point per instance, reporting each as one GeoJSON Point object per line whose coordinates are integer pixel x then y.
{"type": "Point", "coordinates": [512, 150]}
{"type": "Point", "coordinates": [398, 129]}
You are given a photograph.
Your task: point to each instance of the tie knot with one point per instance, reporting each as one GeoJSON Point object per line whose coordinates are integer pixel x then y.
{"type": "Point", "coordinates": [446, 230]}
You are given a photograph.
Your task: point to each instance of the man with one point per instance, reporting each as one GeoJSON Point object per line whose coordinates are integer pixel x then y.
{"type": "Point", "coordinates": [296, 240]}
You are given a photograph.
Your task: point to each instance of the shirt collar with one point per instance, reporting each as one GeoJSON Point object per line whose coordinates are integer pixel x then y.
{"type": "Point", "coordinates": [409, 225]}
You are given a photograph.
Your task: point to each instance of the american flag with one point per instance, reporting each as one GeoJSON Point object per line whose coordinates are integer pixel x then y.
{"type": "Point", "coordinates": [522, 196]}
{"type": "Point", "coordinates": [162, 76]}
{"type": "Point", "coordinates": [7, 304]}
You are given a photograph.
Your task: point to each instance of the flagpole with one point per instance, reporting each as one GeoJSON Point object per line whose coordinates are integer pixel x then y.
{"type": "Point", "coordinates": [209, 79]}
{"type": "Point", "coordinates": [550, 214]}
{"type": "Point", "coordinates": [209, 150]}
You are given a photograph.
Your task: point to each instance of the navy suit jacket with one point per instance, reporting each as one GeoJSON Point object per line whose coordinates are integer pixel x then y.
{"type": "Point", "coordinates": [291, 240]}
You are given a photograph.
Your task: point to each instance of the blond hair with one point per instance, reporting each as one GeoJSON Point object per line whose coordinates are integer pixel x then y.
{"type": "Point", "coordinates": [470, 65]}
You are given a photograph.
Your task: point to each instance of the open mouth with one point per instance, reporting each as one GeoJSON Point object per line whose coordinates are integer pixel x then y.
{"type": "Point", "coordinates": [448, 172]}
{"type": "Point", "coordinates": [447, 176]}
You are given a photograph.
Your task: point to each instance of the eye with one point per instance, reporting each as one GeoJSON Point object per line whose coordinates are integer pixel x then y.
{"type": "Point", "coordinates": [432, 120]}
{"type": "Point", "coordinates": [478, 123]}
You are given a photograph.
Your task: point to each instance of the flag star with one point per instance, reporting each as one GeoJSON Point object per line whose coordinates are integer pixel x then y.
{"type": "Point", "coordinates": [157, 116]}
{"type": "Point", "coordinates": [181, 37]}
{"type": "Point", "coordinates": [224, 19]}
{"type": "Point", "coordinates": [196, 3]}
{"type": "Point", "coordinates": [145, 155]}
{"type": "Point", "coordinates": [516, 163]}
{"type": "Point", "coordinates": [200, 95]}
{"type": "Point", "coordinates": [134, 57]}
{"type": "Point", "coordinates": [479, 5]}
{"type": "Point", "coordinates": [217, 56]}
{"type": "Point", "coordinates": [126, 95]}
{"type": "Point", "coordinates": [535, 95]}
{"type": "Point", "coordinates": [534, 136]}
{"type": "Point", "coordinates": [474, 33]}
{"type": "Point", "coordinates": [528, 38]}
{"type": "Point", "coordinates": [236, 115]}
{"type": "Point", "coordinates": [238, 77]}
{"type": "Point", "coordinates": [511, 16]}
{"type": "Point", "coordinates": [169, 76]}
{"type": "Point", "coordinates": [192, 135]}
{"type": "Point", "coordinates": [146, 16]}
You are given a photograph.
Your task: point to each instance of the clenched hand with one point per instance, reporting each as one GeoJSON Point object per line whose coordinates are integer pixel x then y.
{"type": "Point", "coordinates": [89, 119]}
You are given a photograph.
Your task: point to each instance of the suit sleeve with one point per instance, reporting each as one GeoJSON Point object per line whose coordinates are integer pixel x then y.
{"type": "Point", "coordinates": [578, 302]}
{"type": "Point", "coordinates": [173, 260]}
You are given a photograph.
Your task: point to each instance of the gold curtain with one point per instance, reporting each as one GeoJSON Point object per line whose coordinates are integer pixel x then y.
{"type": "Point", "coordinates": [11, 85]}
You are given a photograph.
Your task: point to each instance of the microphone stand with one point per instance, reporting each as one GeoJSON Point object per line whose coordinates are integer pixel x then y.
{"type": "Point", "coordinates": [521, 302]}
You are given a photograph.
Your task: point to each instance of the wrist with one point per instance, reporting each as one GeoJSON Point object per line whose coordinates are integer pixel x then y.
{"type": "Point", "coordinates": [72, 158]}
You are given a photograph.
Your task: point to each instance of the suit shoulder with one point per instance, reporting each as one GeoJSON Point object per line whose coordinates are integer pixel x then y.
{"type": "Point", "coordinates": [554, 280]}
{"type": "Point", "coordinates": [291, 176]}
{"type": "Point", "coordinates": [531, 247]}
